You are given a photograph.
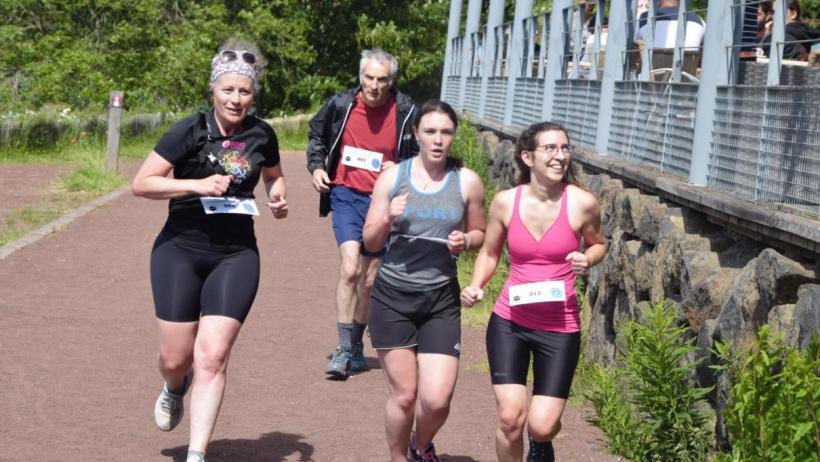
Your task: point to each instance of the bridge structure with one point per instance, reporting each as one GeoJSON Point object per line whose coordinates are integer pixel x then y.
{"type": "Point", "coordinates": [713, 126]}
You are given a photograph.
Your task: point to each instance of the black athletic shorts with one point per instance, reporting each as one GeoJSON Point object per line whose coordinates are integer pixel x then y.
{"type": "Point", "coordinates": [188, 281]}
{"type": "Point", "coordinates": [428, 320]}
{"type": "Point", "coordinates": [554, 356]}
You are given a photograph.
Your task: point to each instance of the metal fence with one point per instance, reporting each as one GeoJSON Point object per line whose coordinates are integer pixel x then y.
{"type": "Point", "coordinates": [765, 146]}
{"type": "Point", "coordinates": [576, 106]}
{"type": "Point", "coordinates": [683, 111]}
{"type": "Point", "coordinates": [652, 124]}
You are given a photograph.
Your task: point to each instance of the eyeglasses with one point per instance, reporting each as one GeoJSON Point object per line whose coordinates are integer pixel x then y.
{"type": "Point", "coordinates": [552, 149]}
{"type": "Point", "coordinates": [231, 55]}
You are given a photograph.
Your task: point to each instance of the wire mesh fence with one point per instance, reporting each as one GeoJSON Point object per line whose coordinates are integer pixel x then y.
{"type": "Point", "coordinates": [653, 124]}
{"type": "Point", "coordinates": [576, 107]}
{"type": "Point", "coordinates": [765, 146]}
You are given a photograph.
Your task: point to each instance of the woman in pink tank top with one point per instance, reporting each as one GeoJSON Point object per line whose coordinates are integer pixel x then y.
{"type": "Point", "coordinates": [553, 230]}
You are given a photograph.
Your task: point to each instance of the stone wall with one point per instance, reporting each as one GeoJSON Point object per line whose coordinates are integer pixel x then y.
{"type": "Point", "coordinates": [722, 285]}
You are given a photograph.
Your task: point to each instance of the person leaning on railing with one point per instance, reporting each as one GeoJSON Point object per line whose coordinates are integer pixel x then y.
{"type": "Point", "coordinates": [799, 37]}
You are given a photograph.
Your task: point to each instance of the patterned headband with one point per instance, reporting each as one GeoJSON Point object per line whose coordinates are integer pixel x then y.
{"type": "Point", "coordinates": [222, 65]}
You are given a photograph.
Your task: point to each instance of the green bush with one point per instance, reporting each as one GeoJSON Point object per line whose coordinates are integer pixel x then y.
{"type": "Point", "coordinates": [773, 404]}
{"type": "Point", "coordinates": [613, 415]}
{"type": "Point", "coordinates": [650, 409]}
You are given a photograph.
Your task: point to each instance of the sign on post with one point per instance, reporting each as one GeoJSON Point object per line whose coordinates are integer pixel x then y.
{"type": "Point", "coordinates": [112, 151]}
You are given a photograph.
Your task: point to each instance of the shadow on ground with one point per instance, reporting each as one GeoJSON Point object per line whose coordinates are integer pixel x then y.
{"type": "Point", "coordinates": [449, 458]}
{"type": "Point", "coordinates": [270, 447]}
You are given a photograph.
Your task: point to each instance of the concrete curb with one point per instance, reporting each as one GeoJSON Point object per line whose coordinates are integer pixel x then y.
{"type": "Point", "coordinates": [56, 225]}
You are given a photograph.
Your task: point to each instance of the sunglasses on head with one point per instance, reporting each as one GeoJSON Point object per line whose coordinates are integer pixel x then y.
{"type": "Point", "coordinates": [231, 55]}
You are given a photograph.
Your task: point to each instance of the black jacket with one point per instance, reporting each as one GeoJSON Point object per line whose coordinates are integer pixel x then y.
{"type": "Point", "coordinates": [325, 133]}
{"type": "Point", "coordinates": [795, 31]}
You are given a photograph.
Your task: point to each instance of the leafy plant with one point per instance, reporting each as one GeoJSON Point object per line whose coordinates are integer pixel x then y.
{"type": "Point", "coordinates": [773, 404]}
{"type": "Point", "coordinates": [614, 415]}
{"type": "Point", "coordinates": [650, 409]}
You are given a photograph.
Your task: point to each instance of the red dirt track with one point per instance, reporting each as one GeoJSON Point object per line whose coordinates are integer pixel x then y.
{"type": "Point", "coordinates": [78, 343]}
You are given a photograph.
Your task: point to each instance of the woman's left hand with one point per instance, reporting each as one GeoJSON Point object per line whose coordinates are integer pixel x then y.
{"type": "Point", "coordinates": [457, 242]}
{"type": "Point", "coordinates": [278, 205]}
{"type": "Point", "coordinates": [580, 263]}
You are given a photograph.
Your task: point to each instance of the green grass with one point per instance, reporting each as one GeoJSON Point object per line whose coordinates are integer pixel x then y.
{"type": "Point", "coordinates": [292, 139]}
{"type": "Point", "coordinates": [87, 180]}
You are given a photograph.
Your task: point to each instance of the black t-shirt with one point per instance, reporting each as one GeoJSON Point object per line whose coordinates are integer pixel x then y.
{"type": "Point", "coordinates": [198, 150]}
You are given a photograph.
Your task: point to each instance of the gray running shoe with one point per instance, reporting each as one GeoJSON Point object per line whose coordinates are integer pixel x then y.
{"type": "Point", "coordinates": [339, 366]}
{"type": "Point", "coordinates": [357, 361]}
{"type": "Point", "coordinates": [169, 408]}
{"type": "Point", "coordinates": [195, 458]}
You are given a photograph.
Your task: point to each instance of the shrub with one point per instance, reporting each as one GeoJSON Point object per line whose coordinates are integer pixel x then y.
{"type": "Point", "coordinates": [650, 409]}
{"type": "Point", "coordinates": [773, 404]}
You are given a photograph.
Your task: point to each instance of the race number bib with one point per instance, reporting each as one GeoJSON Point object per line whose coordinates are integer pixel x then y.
{"type": "Point", "coordinates": [537, 292]}
{"type": "Point", "coordinates": [362, 158]}
{"type": "Point", "coordinates": [213, 205]}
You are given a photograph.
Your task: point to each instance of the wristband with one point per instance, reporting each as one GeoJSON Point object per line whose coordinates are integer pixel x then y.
{"type": "Point", "coordinates": [467, 240]}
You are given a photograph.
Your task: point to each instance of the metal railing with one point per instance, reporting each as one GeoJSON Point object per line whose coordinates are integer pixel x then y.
{"type": "Point", "coordinates": [683, 111]}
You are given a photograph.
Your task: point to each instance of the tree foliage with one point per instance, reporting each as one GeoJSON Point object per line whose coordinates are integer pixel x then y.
{"type": "Point", "coordinates": [73, 53]}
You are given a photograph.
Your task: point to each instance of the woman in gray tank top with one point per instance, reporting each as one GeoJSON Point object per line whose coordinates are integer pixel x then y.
{"type": "Point", "coordinates": [428, 209]}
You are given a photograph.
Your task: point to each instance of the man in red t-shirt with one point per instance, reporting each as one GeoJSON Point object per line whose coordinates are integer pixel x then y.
{"type": "Point", "coordinates": [354, 137]}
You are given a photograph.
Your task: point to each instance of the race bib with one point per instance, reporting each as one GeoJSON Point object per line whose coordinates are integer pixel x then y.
{"type": "Point", "coordinates": [362, 158]}
{"type": "Point", "coordinates": [213, 205]}
{"type": "Point", "coordinates": [537, 292]}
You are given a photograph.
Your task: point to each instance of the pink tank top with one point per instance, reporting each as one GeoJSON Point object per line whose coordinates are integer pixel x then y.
{"type": "Point", "coordinates": [533, 260]}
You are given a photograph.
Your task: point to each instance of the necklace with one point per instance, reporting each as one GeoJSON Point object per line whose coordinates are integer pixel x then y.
{"type": "Point", "coordinates": [421, 172]}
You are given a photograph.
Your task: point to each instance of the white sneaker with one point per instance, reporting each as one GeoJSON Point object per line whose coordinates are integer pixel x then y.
{"type": "Point", "coordinates": [169, 408]}
{"type": "Point", "coordinates": [195, 458]}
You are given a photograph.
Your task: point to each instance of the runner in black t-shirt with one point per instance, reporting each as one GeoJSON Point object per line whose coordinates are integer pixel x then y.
{"type": "Point", "coordinates": [205, 263]}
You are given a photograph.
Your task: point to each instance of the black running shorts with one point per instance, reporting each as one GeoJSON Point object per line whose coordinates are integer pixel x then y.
{"type": "Point", "coordinates": [428, 320]}
{"type": "Point", "coordinates": [188, 281]}
{"type": "Point", "coordinates": [554, 356]}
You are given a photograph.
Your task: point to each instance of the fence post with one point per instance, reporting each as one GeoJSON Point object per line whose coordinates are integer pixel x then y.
{"type": "Point", "coordinates": [615, 62]}
{"type": "Point", "coordinates": [719, 58]}
{"type": "Point", "coordinates": [453, 25]}
{"type": "Point", "coordinates": [494, 19]}
{"type": "Point", "coordinates": [112, 147]}
{"type": "Point", "coordinates": [473, 16]}
{"type": "Point", "coordinates": [558, 45]}
{"type": "Point", "coordinates": [523, 9]}
{"type": "Point", "coordinates": [781, 12]}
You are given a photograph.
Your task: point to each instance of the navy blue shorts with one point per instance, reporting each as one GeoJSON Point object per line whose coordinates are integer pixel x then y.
{"type": "Point", "coordinates": [349, 212]}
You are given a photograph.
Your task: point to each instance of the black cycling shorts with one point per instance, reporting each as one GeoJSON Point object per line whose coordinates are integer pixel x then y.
{"type": "Point", "coordinates": [189, 282]}
{"type": "Point", "coordinates": [428, 320]}
{"type": "Point", "coordinates": [554, 356]}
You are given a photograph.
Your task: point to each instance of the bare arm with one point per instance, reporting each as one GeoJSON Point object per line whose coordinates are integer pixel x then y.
{"type": "Point", "coordinates": [152, 181]}
{"type": "Point", "coordinates": [592, 233]}
{"type": "Point", "coordinates": [382, 212]}
{"type": "Point", "coordinates": [473, 191]}
{"type": "Point", "coordinates": [487, 260]}
{"type": "Point", "coordinates": [277, 190]}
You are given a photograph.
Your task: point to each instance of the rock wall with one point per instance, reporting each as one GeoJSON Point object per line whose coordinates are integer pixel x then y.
{"type": "Point", "coordinates": [722, 285]}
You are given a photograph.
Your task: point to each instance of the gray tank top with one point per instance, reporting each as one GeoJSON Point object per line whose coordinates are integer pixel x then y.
{"type": "Point", "coordinates": [417, 256]}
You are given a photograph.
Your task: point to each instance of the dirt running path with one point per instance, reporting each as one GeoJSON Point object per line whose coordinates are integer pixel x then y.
{"type": "Point", "coordinates": [77, 370]}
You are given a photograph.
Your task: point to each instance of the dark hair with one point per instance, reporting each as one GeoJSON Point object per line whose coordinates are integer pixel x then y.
{"type": "Point", "coordinates": [436, 105]}
{"type": "Point", "coordinates": [528, 141]}
{"type": "Point", "coordinates": [794, 5]}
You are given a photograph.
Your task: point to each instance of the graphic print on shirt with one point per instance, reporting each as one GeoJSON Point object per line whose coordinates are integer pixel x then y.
{"type": "Point", "coordinates": [233, 162]}
{"type": "Point", "coordinates": [432, 213]}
